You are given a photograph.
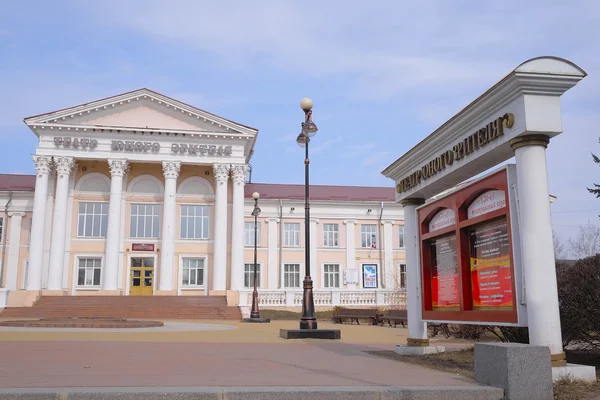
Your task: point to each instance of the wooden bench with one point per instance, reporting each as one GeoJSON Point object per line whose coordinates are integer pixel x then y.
{"type": "Point", "coordinates": [354, 314]}
{"type": "Point", "coordinates": [395, 316]}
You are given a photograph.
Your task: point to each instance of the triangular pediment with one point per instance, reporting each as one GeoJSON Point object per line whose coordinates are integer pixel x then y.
{"type": "Point", "coordinates": [143, 109]}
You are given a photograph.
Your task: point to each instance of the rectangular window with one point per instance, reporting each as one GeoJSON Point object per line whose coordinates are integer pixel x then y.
{"type": "Point", "coordinates": [92, 220]}
{"type": "Point", "coordinates": [369, 236]}
{"type": "Point", "coordinates": [249, 234]}
{"type": "Point", "coordinates": [193, 272]}
{"type": "Point", "coordinates": [291, 275]}
{"type": "Point", "coordinates": [1, 227]}
{"type": "Point", "coordinates": [249, 275]}
{"type": "Point", "coordinates": [402, 276]}
{"type": "Point", "coordinates": [144, 221]}
{"type": "Point", "coordinates": [291, 234]}
{"type": "Point", "coordinates": [331, 275]}
{"type": "Point", "coordinates": [89, 272]}
{"type": "Point", "coordinates": [401, 236]}
{"type": "Point", "coordinates": [330, 235]}
{"type": "Point", "coordinates": [194, 222]}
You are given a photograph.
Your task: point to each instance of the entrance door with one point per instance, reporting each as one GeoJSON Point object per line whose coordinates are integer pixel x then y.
{"type": "Point", "coordinates": [141, 277]}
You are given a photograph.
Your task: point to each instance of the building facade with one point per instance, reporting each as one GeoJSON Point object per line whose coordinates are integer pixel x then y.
{"type": "Point", "coordinates": [140, 195]}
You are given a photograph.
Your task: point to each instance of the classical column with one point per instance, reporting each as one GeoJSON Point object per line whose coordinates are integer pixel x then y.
{"type": "Point", "coordinates": [238, 173]}
{"type": "Point", "coordinates": [14, 245]}
{"type": "Point", "coordinates": [388, 255]}
{"type": "Point", "coordinates": [537, 246]}
{"type": "Point", "coordinates": [110, 277]}
{"type": "Point", "coordinates": [167, 251]}
{"type": "Point", "coordinates": [36, 244]}
{"type": "Point", "coordinates": [350, 248]}
{"type": "Point", "coordinates": [417, 329]}
{"type": "Point", "coordinates": [272, 265]}
{"type": "Point", "coordinates": [219, 271]}
{"type": "Point", "coordinates": [63, 166]}
{"type": "Point", "coordinates": [315, 269]}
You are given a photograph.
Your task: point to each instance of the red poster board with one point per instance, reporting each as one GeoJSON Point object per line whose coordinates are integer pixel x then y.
{"type": "Point", "coordinates": [467, 266]}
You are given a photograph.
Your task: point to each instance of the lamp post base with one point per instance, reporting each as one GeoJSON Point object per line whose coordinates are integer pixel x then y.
{"type": "Point", "coordinates": [257, 320]}
{"type": "Point", "coordinates": [310, 333]}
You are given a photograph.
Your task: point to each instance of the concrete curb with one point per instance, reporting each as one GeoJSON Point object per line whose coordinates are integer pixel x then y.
{"type": "Point", "coordinates": [262, 393]}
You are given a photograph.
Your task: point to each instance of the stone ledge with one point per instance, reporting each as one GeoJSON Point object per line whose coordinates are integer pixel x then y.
{"type": "Point", "coordinates": [82, 323]}
{"type": "Point", "coordinates": [265, 393]}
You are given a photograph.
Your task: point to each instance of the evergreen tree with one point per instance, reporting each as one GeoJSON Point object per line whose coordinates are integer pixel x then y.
{"type": "Point", "coordinates": [596, 189]}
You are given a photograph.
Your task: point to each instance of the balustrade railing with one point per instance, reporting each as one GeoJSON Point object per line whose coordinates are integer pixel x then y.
{"type": "Point", "coordinates": [325, 297]}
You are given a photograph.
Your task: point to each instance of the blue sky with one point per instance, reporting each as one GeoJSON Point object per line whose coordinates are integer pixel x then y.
{"type": "Point", "coordinates": [382, 75]}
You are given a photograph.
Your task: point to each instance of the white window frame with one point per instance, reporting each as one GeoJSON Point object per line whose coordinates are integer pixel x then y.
{"type": "Point", "coordinates": [400, 275]}
{"type": "Point", "coordinates": [340, 275]}
{"type": "Point", "coordinates": [286, 234]}
{"type": "Point", "coordinates": [203, 288]}
{"type": "Point", "coordinates": [369, 238]}
{"type": "Point", "coordinates": [333, 235]}
{"type": "Point", "coordinates": [300, 277]}
{"type": "Point", "coordinates": [2, 230]}
{"type": "Point", "coordinates": [249, 234]}
{"type": "Point", "coordinates": [261, 277]}
{"type": "Point", "coordinates": [193, 218]}
{"type": "Point", "coordinates": [76, 259]}
{"type": "Point", "coordinates": [25, 272]}
{"type": "Point", "coordinates": [92, 237]}
{"type": "Point", "coordinates": [128, 276]}
{"type": "Point", "coordinates": [159, 221]}
{"type": "Point", "coordinates": [401, 242]}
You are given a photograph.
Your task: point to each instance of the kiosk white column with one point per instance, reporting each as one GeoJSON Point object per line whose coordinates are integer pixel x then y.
{"type": "Point", "coordinates": [237, 227]}
{"type": "Point", "coordinates": [167, 252]}
{"type": "Point", "coordinates": [110, 277]}
{"type": "Point", "coordinates": [219, 270]}
{"type": "Point", "coordinates": [14, 246]}
{"type": "Point", "coordinates": [38, 229]}
{"type": "Point", "coordinates": [350, 249]}
{"type": "Point", "coordinates": [418, 340]}
{"type": "Point", "coordinates": [64, 166]}
{"type": "Point", "coordinates": [537, 246]}
{"type": "Point", "coordinates": [272, 266]}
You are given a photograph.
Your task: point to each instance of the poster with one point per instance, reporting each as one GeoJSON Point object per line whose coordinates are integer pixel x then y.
{"type": "Point", "coordinates": [444, 273]}
{"type": "Point", "coordinates": [491, 278]}
{"type": "Point", "coordinates": [370, 276]}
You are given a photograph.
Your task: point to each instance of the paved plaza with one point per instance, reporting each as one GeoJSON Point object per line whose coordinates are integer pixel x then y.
{"type": "Point", "coordinates": [207, 353]}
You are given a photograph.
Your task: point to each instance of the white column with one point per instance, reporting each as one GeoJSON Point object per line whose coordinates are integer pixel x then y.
{"type": "Point", "coordinates": [48, 226]}
{"type": "Point", "coordinates": [272, 265]}
{"type": "Point", "coordinates": [64, 166]}
{"type": "Point", "coordinates": [417, 329]}
{"type": "Point", "coordinates": [110, 277]}
{"type": "Point", "coordinates": [537, 246]}
{"type": "Point", "coordinates": [315, 269]}
{"type": "Point", "coordinates": [36, 244]}
{"type": "Point", "coordinates": [237, 227]}
{"type": "Point", "coordinates": [219, 270]}
{"type": "Point", "coordinates": [350, 248]}
{"type": "Point", "coordinates": [388, 254]}
{"type": "Point", "coordinates": [167, 250]}
{"type": "Point", "coordinates": [14, 246]}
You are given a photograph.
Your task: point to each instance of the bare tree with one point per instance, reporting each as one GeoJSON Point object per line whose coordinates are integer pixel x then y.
{"type": "Point", "coordinates": [586, 243]}
{"type": "Point", "coordinates": [560, 252]}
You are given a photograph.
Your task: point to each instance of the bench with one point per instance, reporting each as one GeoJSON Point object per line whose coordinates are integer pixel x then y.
{"type": "Point", "coordinates": [354, 314]}
{"type": "Point", "coordinates": [395, 316]}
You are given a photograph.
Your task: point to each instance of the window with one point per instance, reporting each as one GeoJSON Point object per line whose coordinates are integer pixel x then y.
{"type": "Point", "coordinates": [331, 275]}
{"type": "Point", "coordinates": [194, 222]}
{"type": "Point", "coordinates": [402, 276]}
{"type": "Point", "coordinates": [193, 272]}
{"type": "Point", "coordinates": [291, 275]}
{"type": "Point", "coordinates": [1, 227]}
{"type": "Point", "coordinates": [369, 236]}
{"type": "Point", "coordinates": [249, 275]}
{"type": "Point", "coordinates": [330, 235]}
{"type": "Point", "coordinates": [401, 236]}
{"type": "Point", "coordinates": [291, 234]}
{"type": "Point", "coordinates": [144, 221]}
{"type": "Point", "coordinates": [249, 234]}
{"type": "Point", "coordinates": [89, 272]}
{"type": "Point", "coordinates": [93, 220]}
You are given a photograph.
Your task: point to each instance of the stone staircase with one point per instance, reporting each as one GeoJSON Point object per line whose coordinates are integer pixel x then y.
{"type": "Point", "coordinates": [158, 307]}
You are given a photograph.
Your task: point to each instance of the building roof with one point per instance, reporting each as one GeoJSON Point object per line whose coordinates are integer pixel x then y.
{"type": "Point", "coordinates": [17, 183]}
{"type": "Point", "coordinates": [321, 192]}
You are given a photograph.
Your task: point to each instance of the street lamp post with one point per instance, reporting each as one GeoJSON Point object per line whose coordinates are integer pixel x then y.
{"type": "Point", "coordinates": [256, 212]}
{"type": "Point", "coordinates": [309, 129]}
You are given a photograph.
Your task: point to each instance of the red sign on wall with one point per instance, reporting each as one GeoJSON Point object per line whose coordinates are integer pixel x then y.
{"type": "Point", "coordinates": [142, 247]}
